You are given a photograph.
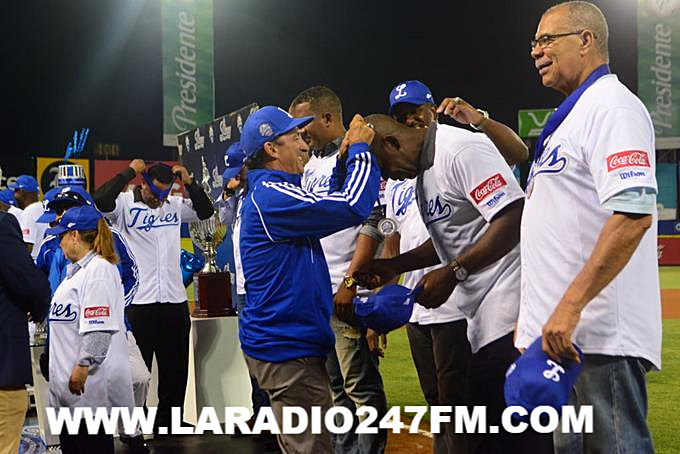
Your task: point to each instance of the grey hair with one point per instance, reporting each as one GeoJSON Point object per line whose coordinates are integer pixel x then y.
{"type": "Point", "coordinates": [584, 15]}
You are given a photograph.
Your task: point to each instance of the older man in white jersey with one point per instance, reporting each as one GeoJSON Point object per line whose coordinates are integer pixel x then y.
{"type": "Point", "coordinates": [589, 264]}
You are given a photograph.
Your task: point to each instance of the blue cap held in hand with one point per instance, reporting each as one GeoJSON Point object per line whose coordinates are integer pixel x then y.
{"type": "Point", "coordinates": [27, 183]}
{"type": "Point", "coordinates": [410, 92]}
{"type": "Point", "coordinates": [265, 125]}
{"type": "Point", "coordinates": [233, 160]}
{"type": "Point", "coordinates": [388, 309]}
{"type": "Point", "coordinates": [535, 380]}
{"type": "Point", "coordinates": [84, 217]}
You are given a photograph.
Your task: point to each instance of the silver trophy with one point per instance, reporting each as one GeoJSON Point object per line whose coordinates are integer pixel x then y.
{"type": "Point", "coordinates": [214, 289]}
{"type": "Point", "coordinates": [208, 235]}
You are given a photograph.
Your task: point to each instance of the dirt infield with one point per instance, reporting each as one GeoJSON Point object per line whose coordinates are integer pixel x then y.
{"type": "Point", "coordinates": [670, 303]}
{"type": "Point", "coordinates": [407, 443]}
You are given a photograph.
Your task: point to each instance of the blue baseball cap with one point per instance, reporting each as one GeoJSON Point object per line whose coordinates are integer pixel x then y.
{"type": "Point", "coordinates": [411, 92]}
{"type": "Point", "coordinates": [233, 159]}
{"type": "Point", "coordinates": [535, 380]}
{"type": "Point", "coordinates": [85, 217]}
{"type": "Point", "coordinates": [48, 215]}
{"type": "Point", "coordinates": [27, 183]}
{"type": "Point", "coordinates": [386, 310]}
{"type": "Point", "coordinates": [63, 197]}
{"type": "Point", "coordinates": [7, 197]}
{"type": "Point", "coordinates": [267, 124]}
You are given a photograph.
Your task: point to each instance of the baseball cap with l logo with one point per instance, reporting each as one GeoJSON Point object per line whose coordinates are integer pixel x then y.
{"type": "Point", "coordinates": [410, 92]}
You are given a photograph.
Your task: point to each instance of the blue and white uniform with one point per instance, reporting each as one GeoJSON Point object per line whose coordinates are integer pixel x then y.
{"type": "Point", "coordinates": [403, 209]}
{"type": "Point", "coordinates": [288, 291]}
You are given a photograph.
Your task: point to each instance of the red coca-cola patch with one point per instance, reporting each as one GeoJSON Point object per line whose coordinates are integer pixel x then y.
{"type": "Point", "coordinates": [488, 187]}
{"type": "Point", "coordinates": [97, 311]}
{"type": "Point", "coordinates": [630, 158]}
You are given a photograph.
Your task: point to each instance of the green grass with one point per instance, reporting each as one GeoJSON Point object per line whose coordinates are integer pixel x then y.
{"type": "Point", "coordinates": [669, 276]}
{"type": "Point", "coordinates": [402, 388]}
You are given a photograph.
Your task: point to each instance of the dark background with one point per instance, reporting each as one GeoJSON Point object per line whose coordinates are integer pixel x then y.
{"type": "Point", "coordinates": [97, 63]}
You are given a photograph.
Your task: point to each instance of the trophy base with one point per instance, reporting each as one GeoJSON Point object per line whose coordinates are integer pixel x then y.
{"type": "Point", "coordinates": [214, 296]}
{"type": "Point", "coordinates": [201, 313]}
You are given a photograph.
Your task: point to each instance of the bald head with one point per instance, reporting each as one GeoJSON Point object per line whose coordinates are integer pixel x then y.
{"type": "Point", "coordinates": [586, 16]}
{"type": "Point", "coordinates": [396, 146]}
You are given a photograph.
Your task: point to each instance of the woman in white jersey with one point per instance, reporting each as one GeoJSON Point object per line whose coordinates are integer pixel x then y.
{"type": "Point", "coordinates": [89, 364]}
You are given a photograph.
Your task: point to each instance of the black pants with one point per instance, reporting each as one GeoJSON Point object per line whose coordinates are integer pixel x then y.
{"type": "Point", "coordinates": [441, 354]}
{"type": "Point", "coordinates": [84, 443]}
{"type": "Point", "coordinates": [163, 329]}
{"type": "Point", "coordinates": [487, 382]}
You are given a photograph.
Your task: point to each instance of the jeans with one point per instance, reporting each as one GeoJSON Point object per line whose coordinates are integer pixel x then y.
{"type": "Point", "coordinates": [258, 396]}
{"type": "Point", "coordinates": [359, 378]}
{"type": "Point", "coordinates": [348, 442]}
{"type": "Point", "coordinates": [616, 388]}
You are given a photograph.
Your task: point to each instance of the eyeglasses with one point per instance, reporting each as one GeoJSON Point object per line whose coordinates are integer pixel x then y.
{"type": "Point", "coordinates": [546, 40]}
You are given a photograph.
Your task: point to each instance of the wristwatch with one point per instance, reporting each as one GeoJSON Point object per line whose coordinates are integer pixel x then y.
{"type": "Point", "coordinates": [349, 282]}
{"type": "Point", "coordinates": [485, 116]}
{"type": "Point", "coordinates": [458, 271]}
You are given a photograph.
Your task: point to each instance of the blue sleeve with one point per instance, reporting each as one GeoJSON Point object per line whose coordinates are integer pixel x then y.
{"type": "Point", "coordinates": [44, 258]}
{"type": "Point", "coordinates": [127, 267]}
{"type": "Point", "coordinates": [57, 271]}
{"type": "Point", "coordinates": [289, 211]}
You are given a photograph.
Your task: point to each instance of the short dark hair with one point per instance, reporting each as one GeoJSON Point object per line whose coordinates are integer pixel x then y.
{"type": "Point", "coordinates": [321, 99]}
{"type": "Point", "coordinates": [162, 173]}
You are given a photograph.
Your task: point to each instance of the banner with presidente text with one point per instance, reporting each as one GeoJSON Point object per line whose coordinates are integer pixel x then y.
{"type": "Point", "coordinates": [659, 67]}
{"type": "Point", "coordinates": [188, 82]}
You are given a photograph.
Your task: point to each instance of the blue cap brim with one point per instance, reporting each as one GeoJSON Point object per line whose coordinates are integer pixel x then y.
{"type": "Point", "coordinates": [297, 123]}
{"type": "Point", "coordinates": [231, 173]}
{"type": "Point", "coordinates": [56, 230]}
{"type": "Point", "coordinates": [46, 217]}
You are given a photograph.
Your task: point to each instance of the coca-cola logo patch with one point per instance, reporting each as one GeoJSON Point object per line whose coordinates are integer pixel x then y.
{"type": "Point", "coordinates": [97, 311]}
{"type": "Point", "coordinates": [488, 187]}
{"type": "Point", "coordinates": [630, 158]}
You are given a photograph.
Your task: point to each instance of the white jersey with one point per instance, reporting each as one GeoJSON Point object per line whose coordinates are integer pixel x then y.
{"type": "Point", "coordinates": [604, 146]}
{"type": "Point", "coordinates": [153, 237]}
{"type": "Point", "coordinates": [89, 300]}
{"type": "Point", "coordinates": [339, 247]}
{"type": "Point", "coordinates": [16, 212]}
{"type": "Point", "coordinates": [464, 182]}
{"type": "Point", "coordinates": [32, 231]}
{"type": "Point", "coordinates": [400, 197]}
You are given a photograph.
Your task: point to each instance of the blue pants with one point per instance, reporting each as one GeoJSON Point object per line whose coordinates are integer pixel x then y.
{"type": "Point", "coordinates": [615, 386]}
{"type": "Point", "coordinates": [258, 396]}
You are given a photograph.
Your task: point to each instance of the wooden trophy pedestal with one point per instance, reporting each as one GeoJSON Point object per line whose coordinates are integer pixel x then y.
{"type": "Point", "coordinates": [214, 295]}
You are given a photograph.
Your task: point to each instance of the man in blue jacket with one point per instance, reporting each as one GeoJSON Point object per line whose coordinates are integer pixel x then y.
{"type": "Point", "coordinates": [23, 289]}
{"type": "Point", "coordinates": [285, 325]}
